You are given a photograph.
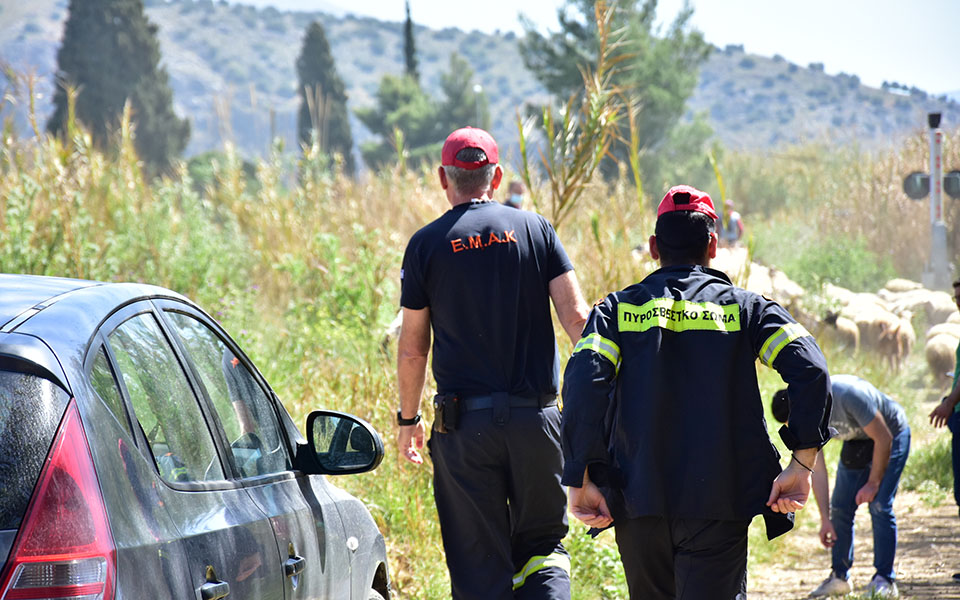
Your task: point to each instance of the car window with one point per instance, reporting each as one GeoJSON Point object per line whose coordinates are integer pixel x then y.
{"type": "Point", "coordinates": [245, 410]}
{"type": "Point", "coordinates": [30, 410]}
{"type": "Point", "coordinates": [163, 402]}
{"type": "Point", "coordinates": [105, 384]}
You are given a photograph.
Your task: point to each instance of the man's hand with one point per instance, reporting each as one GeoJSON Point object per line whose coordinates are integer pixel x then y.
{"type": "Point", "coordinates": [939, 416]}
{"type": "Point", "coordinates": [828, 535]}
{"type": "Point", "coordinates": [867, 493]}
{"type": "Point", "coordinates": [589, 505]}
{"type": "Point", "coordinates": [790, 489]}
{"type": "Point", "coordinates": [410, 442]}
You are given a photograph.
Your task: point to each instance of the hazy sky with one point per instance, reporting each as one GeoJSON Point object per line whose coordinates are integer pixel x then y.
{"type": "Point", "coordinates": [913, 42]}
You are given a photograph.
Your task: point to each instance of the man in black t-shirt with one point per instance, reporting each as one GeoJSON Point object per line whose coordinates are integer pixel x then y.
{"type": "Point", "coordinates": [481, 278]}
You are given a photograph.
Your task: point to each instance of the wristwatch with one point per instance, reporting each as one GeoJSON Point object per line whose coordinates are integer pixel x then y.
{"type": "Point", "coordinates": [405, 422]}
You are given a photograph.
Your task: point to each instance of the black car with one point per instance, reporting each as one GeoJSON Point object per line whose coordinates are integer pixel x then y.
{"type": "Point", "coordinates": [142, 456]}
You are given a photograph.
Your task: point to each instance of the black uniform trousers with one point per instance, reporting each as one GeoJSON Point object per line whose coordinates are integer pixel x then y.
{"type": "Point", "coordinates": [502, 509]}
{"type": "Point", "coordinates": [683, 559]}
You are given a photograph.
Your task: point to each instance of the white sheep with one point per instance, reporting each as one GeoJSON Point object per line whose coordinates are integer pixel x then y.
{"type": "Point", "coordinates": [942, 306]}
{"type": "Point", "coordinates": [902, 285]}
{"type": "Point", "coordinates": [390, 333]}
{"type": "Point", "coordinates": [845, 330]}
{"type": "Point", "coordinates": [948, 328]}
{"type": "Point", "coordinates": [873, 319]}
{"type": "Point", "coordinates": [940, 352]}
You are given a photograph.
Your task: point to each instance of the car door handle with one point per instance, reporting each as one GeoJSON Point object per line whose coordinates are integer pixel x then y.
{"type": "Point", "coordinates": [214, 590]}
{"type": "Point", "coordinates": [294, 565]}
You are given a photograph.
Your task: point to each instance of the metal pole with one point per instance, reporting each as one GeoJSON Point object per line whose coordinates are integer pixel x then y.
{"type": "Point", "coordinates": [936, 170]}
{"type": "Point", "coordinates": [938, 268]}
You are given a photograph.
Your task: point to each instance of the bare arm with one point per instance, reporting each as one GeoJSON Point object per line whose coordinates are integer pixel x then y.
{"type": "Point", "coordinates": [821, 491]}
{"type": "Point", "coordinates": [413, 345]}
{"type": "Point", "coordinates": [571, 308]}
{"type": "Point", "coordinates": [821, 487]}
{"type": "Point", "coordinates": [882, 441]}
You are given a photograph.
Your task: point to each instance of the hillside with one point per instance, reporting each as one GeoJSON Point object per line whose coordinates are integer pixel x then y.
{"type": "Point", "coordinates": [232, 70]}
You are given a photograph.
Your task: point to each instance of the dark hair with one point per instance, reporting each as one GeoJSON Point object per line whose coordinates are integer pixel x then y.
{"type": "Point", "coordinates": [780, 406]}
{"type": "Point", "coordinates": [471, 155]}
{"type": "Point", "coordinates": [683, 236]}
{"type": "Point", "coordinates": [956, 283]}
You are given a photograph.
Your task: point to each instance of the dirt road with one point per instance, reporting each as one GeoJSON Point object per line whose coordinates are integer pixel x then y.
{"type": "Point", "coordinates": [927, 555]}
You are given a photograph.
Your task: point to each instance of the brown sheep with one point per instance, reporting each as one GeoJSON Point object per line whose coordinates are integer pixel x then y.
{"type": "Point", "coordinates": [896, 340]}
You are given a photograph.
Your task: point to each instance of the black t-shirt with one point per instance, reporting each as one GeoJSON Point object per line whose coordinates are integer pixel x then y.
{"type": "Point", "coordinates": [484, 269]}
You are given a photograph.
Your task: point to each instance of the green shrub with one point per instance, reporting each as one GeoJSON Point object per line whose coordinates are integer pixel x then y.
{"type": "Point", "coordinates": [844, 262]}
{"type": "Point", "coordinates": [596, 571]}
{"type": "Point", "coordinates": [929, 464]}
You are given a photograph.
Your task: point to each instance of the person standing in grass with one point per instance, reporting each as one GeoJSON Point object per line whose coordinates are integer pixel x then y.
{"type": "Point", "coordinates": [481, 278]}
{"type": "Point", "coordinates": [731, 229]}
{"type": "Point", "coordinates": [663, 429]}
{"type": "Point", "coordinates": [876, 443]}
{"type": "Point", "coordinates": [948, 413]}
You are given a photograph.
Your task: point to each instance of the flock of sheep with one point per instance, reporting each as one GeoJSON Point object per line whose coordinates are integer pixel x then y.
{"type": "Point", "coordinates": [862, 322]}
{"type": "Point", "coordinates": [881, 323]}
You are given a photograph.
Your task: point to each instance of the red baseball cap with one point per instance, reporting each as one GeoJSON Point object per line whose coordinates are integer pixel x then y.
{"type": "Point", "coordinates": [685, 197]}
{"type": "Point", "coordinates": [469, 137]}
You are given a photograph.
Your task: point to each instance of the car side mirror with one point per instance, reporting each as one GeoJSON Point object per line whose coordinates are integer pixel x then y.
{"type": "Point", "coordinates": [342, 444]}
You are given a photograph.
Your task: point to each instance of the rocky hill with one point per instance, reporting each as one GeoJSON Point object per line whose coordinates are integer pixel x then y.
{"type": "Point", "coordinates": [232, 70]}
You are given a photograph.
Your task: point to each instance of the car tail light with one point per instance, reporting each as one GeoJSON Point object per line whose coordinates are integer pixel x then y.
{"type": "Point", "coordinates": [64, 548]}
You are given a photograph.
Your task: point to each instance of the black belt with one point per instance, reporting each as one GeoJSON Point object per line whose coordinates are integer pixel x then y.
{"type": "Point", "coordinates": [486, 402]}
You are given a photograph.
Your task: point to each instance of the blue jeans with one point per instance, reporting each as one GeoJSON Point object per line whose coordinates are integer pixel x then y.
{"type": "Point", "coordinates": [843, 506]}
{"type": "Point", "coordinates": [953, 423]}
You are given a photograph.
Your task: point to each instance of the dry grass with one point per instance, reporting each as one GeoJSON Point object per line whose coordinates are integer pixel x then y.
{"type": "Point", "coordinates": [302, 265]}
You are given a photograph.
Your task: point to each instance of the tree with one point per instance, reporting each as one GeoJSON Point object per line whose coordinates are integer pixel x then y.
{"type": "Point", "coordinates": [410, 48]}
{"type": "Point", "coordinates": [110, 54]}
{"type": "Point", "coordinates": [422, 122]}
{"type": "Point", "coordinates": [405, 108]}
{"type": "Point", "coordinates": [323, 99]}
{"type": "Point", "coordinates": [463, 104]}
{"type": "Point", "coordinates": [658, 72]}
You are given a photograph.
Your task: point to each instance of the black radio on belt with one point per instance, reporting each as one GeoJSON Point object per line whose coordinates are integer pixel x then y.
{"type": "Point", "coordinates": [446, 411]}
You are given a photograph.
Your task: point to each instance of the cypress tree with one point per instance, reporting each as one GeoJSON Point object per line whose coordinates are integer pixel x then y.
{"type": "Point", "coordinates": [110, 53]}
{"type": "Point", "coordinates": [323, 98]}
{"type": "Point", "coordinates": [410, 48]}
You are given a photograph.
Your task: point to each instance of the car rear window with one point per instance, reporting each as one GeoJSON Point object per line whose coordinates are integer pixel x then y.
{"type": "Point", "coordinates": [30, 411]}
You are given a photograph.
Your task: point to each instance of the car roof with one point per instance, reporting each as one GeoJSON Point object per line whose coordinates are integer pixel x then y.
{"type": "Point", "coordinates": [61, 316]}
{"type": "Point", "coordinates": [21, 293]}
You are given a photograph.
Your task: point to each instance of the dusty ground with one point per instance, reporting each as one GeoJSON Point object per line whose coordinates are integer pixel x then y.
{"type": "Point", "coordinates": [927, 555]}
